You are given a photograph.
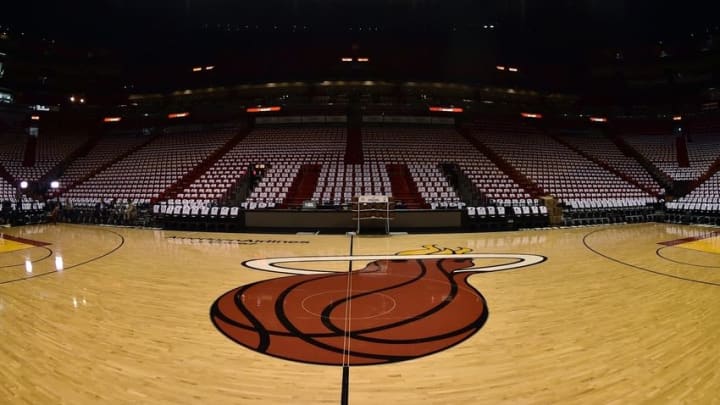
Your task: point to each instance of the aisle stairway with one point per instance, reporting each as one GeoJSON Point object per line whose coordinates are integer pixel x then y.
{"type": "Point", "coordinates": [354, 147]}
{"type": "Point", "coordinates": [303, 186]}
{"type": "Point", "coordinates": [404, 188]}
{"type": "Point", "coordinates": [203, 167]}
{"type": "Point", "coordinates": [682, 152]}
{"type": "Point", "coordinates": [30, 152]}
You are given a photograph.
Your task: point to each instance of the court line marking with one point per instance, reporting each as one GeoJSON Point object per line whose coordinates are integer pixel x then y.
{"type": "Point", "coordinates": [34, 276]}
{"type": "Point", "coordinates": [590, 248]}
{"type": "Point", "coordinates": [50, 253]}
{"type": "Point", "coordinates": [345, 383]}
{"type": "Point", "coordinates": [521, 260]}
{"type": "Point", "coordinates": [24, 241]}
{"type": "Point", "coordinates": [659, 254]}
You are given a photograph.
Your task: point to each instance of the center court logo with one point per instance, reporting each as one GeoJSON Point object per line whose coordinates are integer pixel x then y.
{"type": "Point", "coordinates": [398, 307]}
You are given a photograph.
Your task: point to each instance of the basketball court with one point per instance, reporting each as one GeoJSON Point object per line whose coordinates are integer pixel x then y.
{"type": "Point", "coordinates": [624, 313]}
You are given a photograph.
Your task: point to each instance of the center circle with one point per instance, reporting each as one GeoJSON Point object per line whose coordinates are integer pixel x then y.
{"type": "Point", "coordinates": [374, 304]}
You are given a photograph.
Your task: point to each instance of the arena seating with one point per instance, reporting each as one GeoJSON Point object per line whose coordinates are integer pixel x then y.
{"type": "Point", "coordinates": [185, 214]}
{"type": "Point", "coordinates": [105, 151]}
{"type": "Point", "coordinates": [284, 151]}
{"type": "Point", "coordinates": [339, 182]}
{"type": "Point", "coordinates": [48, 151]}
{"type": "Point", "coordinates": [8, 194]}
{"type": "Point", "coordinates": [424, 150]}
{"type": "Point", "coordinates": [661, 150]}
{"type": "Point", "coordinates": [421, 150]}
{"type": "Point", "coordinates": [146, 173]}
{"type": "Point", "coordinates": [212, 179]}
{"type": "Point", "coordinates": [507, 165]}
{"type": "Point", "coordinates": [278, 153]}
{"type": "Point", "coordinates": [701, 205]}
{"type": "Point", "coordinates": [603, 149]}
{"type": "Point", "coordinates": [559, 171]}
{"type": "Point", "coordinates": [51, 149]}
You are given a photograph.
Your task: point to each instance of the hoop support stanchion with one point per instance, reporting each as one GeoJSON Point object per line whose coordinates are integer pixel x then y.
{"type": "Point", "coordinates": [373, 207]}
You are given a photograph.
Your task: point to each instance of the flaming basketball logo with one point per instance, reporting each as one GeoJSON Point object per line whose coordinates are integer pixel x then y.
{"type": "Point", "coordinates": [398, 307]}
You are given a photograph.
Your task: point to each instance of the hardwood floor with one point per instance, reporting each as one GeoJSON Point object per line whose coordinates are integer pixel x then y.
{"type": "Point", "coordinates": [111, 315]}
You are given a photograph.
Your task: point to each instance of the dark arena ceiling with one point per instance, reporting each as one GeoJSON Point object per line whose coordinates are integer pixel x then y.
{"type": "Point", "coordinates": [139, 23]}
{"type": "Point", "coordinates": [558, 45]}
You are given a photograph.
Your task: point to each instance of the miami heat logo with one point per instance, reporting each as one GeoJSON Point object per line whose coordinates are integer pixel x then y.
{"type": "Point", "coordinates": [398, 307]}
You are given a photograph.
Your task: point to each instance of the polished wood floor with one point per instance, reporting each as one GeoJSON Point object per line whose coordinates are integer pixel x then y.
{"type": "Point", "coordinates": [115, 316]}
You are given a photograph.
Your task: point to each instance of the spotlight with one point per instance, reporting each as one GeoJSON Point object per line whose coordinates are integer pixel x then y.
{"type": "Point", "coordinates": [23, 184]}
{"type": "Point", "coordinates": [54, 184]}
